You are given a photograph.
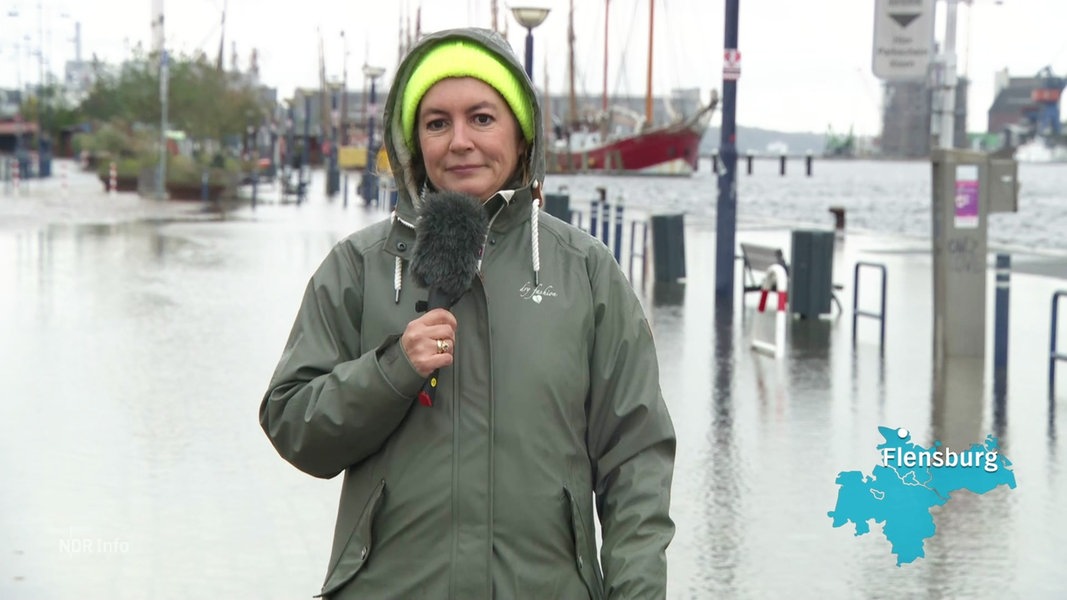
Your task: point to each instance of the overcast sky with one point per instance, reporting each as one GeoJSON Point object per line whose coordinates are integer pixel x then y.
{"type": "Point", "coordinates": [806, 65]}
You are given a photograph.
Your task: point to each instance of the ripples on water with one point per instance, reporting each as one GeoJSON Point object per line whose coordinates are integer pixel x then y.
{"type": "Point", "coordinates": [889, 197]}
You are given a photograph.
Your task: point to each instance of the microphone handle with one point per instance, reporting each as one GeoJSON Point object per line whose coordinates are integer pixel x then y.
{"type": "Point", "coordinates": [436, 299]}
{"type": "Point", "coordinates": [429, 389]}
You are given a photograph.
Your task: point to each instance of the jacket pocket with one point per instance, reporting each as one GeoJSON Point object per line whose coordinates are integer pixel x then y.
{"type": "Point", "coordinates": [584, 548]}
{"type": "Point", "coordinates": [357, 549]}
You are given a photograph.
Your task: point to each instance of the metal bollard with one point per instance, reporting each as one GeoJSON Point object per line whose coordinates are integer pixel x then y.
{"type": "Point", "coordinates": [605, 222]}
{"type": "Point", "coordinates": [1000, 323]}
{"type": "Point", "coordinates": [808, 160]}
{"type": "Point", "coordinates": [839, 218]}
{"type": "Point", "coordinates": [781, 165]}
{"type": "Point", "coordinates": [618, 233]}
{"type": "Point", "coordinates": [749, 163]}
{"type": "Point", "coordinates": [346, 190]}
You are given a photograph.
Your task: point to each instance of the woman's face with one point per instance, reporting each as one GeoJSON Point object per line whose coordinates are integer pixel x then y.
{"type": "Point", "coordinates": [469, 137]}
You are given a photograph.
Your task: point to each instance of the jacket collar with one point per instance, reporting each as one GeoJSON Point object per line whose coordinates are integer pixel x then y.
{"type": "Point", "coordinates": [511, 207]}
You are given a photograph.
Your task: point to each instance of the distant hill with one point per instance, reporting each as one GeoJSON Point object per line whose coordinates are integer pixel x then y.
{"type": "Point", "coordinates": [754, 139]}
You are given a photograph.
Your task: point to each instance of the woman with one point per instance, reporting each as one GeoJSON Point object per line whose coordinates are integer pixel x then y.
{"type": "Point", "coordinates": [549, 386]}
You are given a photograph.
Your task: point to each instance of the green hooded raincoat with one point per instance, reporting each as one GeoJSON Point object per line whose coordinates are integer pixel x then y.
{"type": "Point", "coordinates": [553, 400]}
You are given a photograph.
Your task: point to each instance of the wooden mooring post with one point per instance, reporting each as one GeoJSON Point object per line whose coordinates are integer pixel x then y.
{"type": "Point", "coordinates": [750, 159]}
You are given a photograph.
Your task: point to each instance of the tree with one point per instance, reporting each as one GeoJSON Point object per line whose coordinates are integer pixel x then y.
{"type": "Point", "coordinates": [209, 105]}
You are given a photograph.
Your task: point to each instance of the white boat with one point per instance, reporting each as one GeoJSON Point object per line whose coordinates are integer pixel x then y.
{"type": "Point", "coordinates": [1041, 150]}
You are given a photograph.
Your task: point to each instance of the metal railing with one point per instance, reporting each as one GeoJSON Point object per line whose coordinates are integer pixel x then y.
{"type": "Point", "coordinates": [856, 312]}
{"type": "Point", "coordinates": [1054, 354]}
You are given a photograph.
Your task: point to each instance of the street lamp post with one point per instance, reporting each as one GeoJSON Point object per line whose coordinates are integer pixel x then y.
{"type": "Point", "coordinates": [344, 90]}
{"type": "Point", "coordinates": [369, 184]}
{"type": "Point", "coordinates": [946, 137]}
{"type": "Point", "coordinates": [333, 179]}
{"type": "Point", "coordinates": [164, 82]}
{"type": "Point", "coordinates": [253, 141]}
{"type": "Point", "coordinates": [290, 144]}
{"type": "Point", "coordinates": [529, 17]}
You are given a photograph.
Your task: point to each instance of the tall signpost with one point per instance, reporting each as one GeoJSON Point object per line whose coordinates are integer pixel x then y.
{"type": "Point", "coordinates": [726, 212]}
{"type": "Point", "coordinates": [966, 188]}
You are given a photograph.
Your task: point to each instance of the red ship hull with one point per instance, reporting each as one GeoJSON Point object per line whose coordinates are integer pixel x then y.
{"type": "Point", "coordinates": [671, 150]}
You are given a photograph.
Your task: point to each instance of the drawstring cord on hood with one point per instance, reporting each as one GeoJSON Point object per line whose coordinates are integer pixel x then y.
{"type": "Point", "coordinates": [535, 237]}
{"type": "Point", "coordinates": [398, 272]}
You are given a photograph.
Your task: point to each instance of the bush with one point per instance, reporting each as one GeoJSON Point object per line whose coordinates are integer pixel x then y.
{"type": "Point", "coordinates": [128, 167]}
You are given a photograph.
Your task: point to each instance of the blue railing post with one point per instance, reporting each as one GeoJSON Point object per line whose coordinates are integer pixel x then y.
{"type": "Point", "coordinates": [618, 233]}
{"type": "Point", "coordinates": [594, 216]}
{"type": "Point", "coordinates": [1053, 353]}
{"type": "Point", "coordinates": [1000, 322]}
{"type": "Point", "coordinates": [605, 222]}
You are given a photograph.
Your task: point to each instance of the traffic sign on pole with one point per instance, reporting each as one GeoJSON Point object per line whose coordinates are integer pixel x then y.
{"type": "Point", "coordinates": [731, 64]}
{"type": "Point", "coordinates": [903, 39]}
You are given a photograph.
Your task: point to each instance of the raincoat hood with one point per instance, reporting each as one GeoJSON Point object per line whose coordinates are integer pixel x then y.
{"type": "Point", "coordinates": [401, 156]}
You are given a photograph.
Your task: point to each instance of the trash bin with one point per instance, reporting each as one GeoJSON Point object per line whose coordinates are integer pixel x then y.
{"type": "Point", "coordinates": [559, 206]}
{"type": "Point", "coordinates": [668, 248]}
{"type": "Point", "coordinates": [811, 273]}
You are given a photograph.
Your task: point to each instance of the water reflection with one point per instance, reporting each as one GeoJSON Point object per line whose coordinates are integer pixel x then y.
{"type": "Point", "coordinates": [668, 294]}
{"type": "Point", "coordinates": [724, 553]}
{"type": "Point", "coordinates": [957, 406]}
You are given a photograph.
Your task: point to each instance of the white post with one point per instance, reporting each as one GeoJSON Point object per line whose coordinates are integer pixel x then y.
{"type": "Point", "coordinates": [779, 279]}
{"type": "Point", "coordinates": [164, 75]}
{"type": "Point", "coordinates": [948, 86]}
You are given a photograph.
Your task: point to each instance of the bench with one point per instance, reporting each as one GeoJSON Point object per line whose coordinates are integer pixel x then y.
{"type": "Point", "coordinates": [298, 189]}
{"type": "Point", "coordinates": [758, 259]}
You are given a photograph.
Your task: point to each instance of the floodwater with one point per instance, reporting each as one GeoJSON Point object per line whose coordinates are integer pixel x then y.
{"type": "Point", "coordinates": [138, 338]}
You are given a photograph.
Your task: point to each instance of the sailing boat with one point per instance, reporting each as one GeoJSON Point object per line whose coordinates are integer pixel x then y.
{"type": "Point", "coordinates": [620, 141]}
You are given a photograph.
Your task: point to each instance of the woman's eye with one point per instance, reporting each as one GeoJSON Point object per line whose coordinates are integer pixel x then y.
{"type": "Point", "coordinates": [435, 125]}
{"type": "Point", "coordinates": [483, 119]}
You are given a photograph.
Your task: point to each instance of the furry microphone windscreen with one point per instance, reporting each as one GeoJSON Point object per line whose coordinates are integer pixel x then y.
{"type": "Point", "coordinates": [449, 234]}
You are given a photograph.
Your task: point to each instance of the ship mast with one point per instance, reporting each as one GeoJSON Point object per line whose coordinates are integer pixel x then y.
{"type": "Point", "coordinates": [648, 85]}
{"type": "Point", "coordinates": [572, 109]}
{"type": "Point", "coordinates": [604, 99]}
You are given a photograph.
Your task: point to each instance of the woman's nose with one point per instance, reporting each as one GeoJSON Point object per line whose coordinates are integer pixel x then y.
{"type": "Point", "coordinates": [461, 139]}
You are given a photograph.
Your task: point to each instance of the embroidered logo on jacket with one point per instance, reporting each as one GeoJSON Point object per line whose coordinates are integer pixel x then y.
{"type": "Point", "coordinates": [529, 291]}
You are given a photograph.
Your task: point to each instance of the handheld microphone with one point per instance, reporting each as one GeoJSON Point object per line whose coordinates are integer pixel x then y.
{"type": "Point", "coordinates": [449, 234]}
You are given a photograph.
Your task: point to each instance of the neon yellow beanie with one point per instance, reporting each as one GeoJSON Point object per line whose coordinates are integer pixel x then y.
{"type": "Point", "coordinates": [463, 58]}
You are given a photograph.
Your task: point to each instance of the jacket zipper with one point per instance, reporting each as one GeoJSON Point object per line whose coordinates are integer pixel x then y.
{"type": "Point", "coordinates": [492, 446]}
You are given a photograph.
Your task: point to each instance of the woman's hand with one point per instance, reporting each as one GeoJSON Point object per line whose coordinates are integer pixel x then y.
{"type": "Point", "coordinates": [429, 341]}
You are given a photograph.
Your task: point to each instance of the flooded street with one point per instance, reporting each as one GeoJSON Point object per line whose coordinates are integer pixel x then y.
{"type": "Point", "coordinates": [139, 337]}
